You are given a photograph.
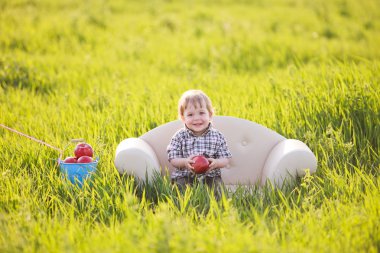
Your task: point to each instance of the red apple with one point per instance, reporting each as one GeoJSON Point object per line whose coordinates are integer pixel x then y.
{"type": "Point", "coordinates": [84, 159]}
{"type": "Point", "coordinates": [200, 164]}
{"type": "Point", "coordinates": [70, 159]}
{"type": "Point", "coordinates": [83, 149]}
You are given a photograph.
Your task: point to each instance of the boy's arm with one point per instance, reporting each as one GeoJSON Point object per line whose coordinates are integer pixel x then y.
{"type": "Point", "coordinates": [223, 153]}
{"type": "Point", "coordinates": [182, 163]}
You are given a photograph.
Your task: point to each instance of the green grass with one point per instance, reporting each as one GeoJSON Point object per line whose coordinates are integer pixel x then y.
{"type": "Point", "coordinates": [109, 70]}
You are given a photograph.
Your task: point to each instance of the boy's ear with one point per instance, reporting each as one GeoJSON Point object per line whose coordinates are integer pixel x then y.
{"type": "Point", "coordinates": [182, 118]}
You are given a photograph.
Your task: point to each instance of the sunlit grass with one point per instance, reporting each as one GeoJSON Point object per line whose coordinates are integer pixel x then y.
{"type": "Point", "coordinates": [106, 71]}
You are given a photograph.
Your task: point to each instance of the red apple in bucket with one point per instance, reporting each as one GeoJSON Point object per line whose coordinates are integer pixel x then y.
{"type": "Point", "coordinates": [200, 164]}
{"type": "Point", "coordinates": [70, 159]}
{"type": "Point", "coordinates": [84, 159]}
{"type": "Point", "coordinates": [83, 149]}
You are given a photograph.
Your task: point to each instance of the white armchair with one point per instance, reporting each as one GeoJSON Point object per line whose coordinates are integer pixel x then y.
{"type": "Point", "coordinates": [258, 153]}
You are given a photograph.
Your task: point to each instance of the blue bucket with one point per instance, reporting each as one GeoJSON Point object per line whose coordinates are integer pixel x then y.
{"type": "Point", "coordinates": [78, 172]}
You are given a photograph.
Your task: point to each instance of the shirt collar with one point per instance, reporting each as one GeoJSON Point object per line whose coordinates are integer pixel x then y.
{"type": "Point", "coordinates": [188, 130]}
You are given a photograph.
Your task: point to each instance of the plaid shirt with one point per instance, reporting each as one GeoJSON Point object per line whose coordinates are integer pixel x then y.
{"type": "Point", "coordinates": [184, 143]}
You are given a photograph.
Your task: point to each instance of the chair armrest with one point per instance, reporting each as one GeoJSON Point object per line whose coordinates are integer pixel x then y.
{"type": "Point", "coordinates": [135, 156]}
{"type": "Point", "coordinates": [288, 159]}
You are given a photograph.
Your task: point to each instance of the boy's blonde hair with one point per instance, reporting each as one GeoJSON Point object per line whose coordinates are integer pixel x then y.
{"type": "Point", "coordinates": [196, 98]}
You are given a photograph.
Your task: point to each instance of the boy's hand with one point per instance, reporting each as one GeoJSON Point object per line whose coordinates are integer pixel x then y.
{"type": "Point", "coordinates": [213, 163]}
{"type": "Point", "coordinates": [218, 163]}
{"type": "Point", "coordinates": [189, 162]}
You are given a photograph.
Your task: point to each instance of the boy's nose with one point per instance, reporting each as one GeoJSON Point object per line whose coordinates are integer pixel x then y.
{"type": "Point", "coordinates": [197, 116]}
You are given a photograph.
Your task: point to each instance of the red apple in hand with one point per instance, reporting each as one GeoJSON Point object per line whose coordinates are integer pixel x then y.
{"type": "Point", "coordinates": [200, 164]}
{"type": "Point", "coordinates": [83, 149]}
{"type": "Point", "coordinates": [70, 159]}
{"type": "Point", "coordinates": [84, 159]}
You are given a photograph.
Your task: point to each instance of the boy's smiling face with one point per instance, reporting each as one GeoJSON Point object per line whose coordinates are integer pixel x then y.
{"type": "Point", "coordinates": [196, 117]}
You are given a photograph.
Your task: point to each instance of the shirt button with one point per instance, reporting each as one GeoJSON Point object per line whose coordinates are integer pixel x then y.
{"type": "Point", "coordinates": [244, 143]}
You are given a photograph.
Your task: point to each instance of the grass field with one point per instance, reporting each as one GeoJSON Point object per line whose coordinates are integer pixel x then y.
{"type": "Point", "coordinates": [108, 70]}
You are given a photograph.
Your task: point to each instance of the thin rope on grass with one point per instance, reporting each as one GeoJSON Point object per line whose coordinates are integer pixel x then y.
{"type": "Point", "coordinates": [35, 139]}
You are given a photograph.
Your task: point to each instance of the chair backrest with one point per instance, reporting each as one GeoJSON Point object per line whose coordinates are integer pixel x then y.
{"type": "Point", "coordinates": [249, 143]}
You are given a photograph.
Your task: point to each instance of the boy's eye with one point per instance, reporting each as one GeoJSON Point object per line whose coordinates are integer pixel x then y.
{"type": "Point", "coordinates": [202, 112]}
{"type": "Point", "coordinates": [189, 115]}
